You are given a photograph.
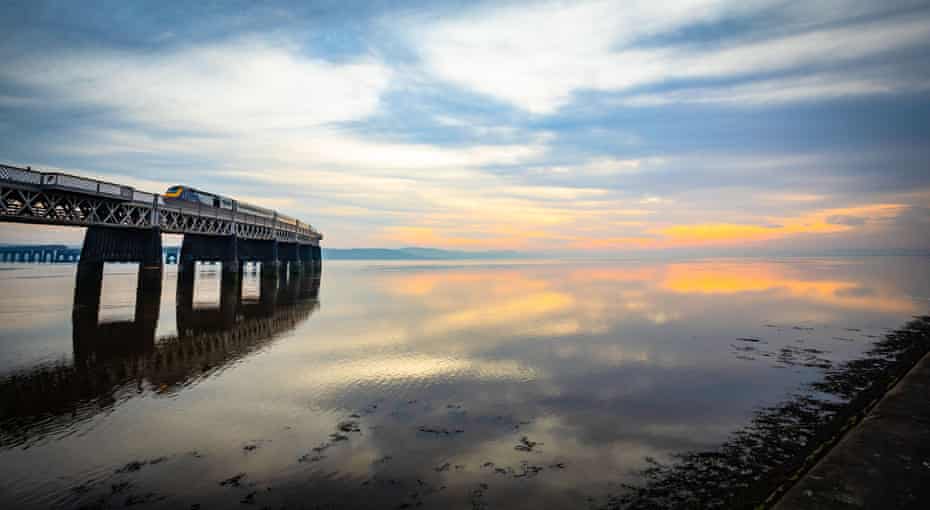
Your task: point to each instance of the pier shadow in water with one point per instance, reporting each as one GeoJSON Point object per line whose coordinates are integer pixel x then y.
{"type": "Point", "coordinates": [115, 361]}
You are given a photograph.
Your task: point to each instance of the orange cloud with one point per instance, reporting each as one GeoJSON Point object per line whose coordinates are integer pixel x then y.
{"type": "Point", "coordinates": [716, 232]}
{"type": "Point", "coordinates": [615, 242]}
{"type": "Point", "coordinates": [586, 229]}
{"type": "Point", "coordinates": [818, 222]}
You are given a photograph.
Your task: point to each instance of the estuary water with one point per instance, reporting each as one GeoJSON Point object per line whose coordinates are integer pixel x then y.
{"type": "Point", "coordinates": [380, 384]}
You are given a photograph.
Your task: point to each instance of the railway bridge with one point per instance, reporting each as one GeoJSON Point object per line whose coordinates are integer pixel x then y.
{"type": "Point", "coordinates": [125, 225]}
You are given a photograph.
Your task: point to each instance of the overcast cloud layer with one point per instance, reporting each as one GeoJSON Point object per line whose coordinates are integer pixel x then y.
{"type": "Point", "coordinates": [557, 126]}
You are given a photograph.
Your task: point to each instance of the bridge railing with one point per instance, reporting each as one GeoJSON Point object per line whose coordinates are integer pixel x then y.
{"type": "Point", "coordinates": [23, 175]}
{"type": "Point", "coordinates": [81, 184]}
{"type": "Point", "coordinates": [149, 209]}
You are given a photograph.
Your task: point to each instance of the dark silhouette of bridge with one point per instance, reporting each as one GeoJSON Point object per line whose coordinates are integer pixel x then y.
{"type": "Point", "coordinates": [115, 361]}
{"type": "Point", "coordinates": [125, 225]}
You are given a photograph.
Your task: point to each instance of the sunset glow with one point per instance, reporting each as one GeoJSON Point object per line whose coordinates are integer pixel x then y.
{"type": "Point", "coordinates": [591, 127]}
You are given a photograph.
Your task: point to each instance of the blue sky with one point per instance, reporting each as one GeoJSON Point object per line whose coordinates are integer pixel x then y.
{"type": "Point", "coordinates": [559, 126]}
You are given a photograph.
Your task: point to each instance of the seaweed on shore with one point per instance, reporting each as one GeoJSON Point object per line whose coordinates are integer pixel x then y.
{"type": "Point", "coordinates": [752, 467]}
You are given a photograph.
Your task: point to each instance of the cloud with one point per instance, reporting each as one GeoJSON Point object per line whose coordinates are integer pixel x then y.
{"type": "Point", "coordinates": [600, 167]}
{"type": "Point", "coordinates": [477, 128]}
{"type": "Point", "coordinates": [536, 57]}
{"type": "Point", "coordinates": [817, 222]}
{"type": "Point", "coordinates": [784, 90]}
{"type": "Point", "coordinates": [849, 221]}
{"type": "Point", "coordinates": [243, 86]}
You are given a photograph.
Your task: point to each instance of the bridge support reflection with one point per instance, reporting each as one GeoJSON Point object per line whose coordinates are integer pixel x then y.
{"type": "Point", "coordinates": [111, 357]}
{"type": "Point", "coordinates": [107, 244]}
{"type": "Point", "coordinates": [277, 289]}
{"type": "Point", "coordinates": [192, 319]}
{"type": "Point", "coordinates": [94, 341]}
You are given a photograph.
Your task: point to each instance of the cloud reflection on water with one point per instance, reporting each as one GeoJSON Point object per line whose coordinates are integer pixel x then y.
{"type": "Point", "coordinates": [601, 364]}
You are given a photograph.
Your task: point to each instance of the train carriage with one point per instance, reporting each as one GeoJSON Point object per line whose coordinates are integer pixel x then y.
{"type": "Point", "coordinates": [186, 195]}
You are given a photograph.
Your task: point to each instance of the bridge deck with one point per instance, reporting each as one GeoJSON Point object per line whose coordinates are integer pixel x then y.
{"type": "Point", "coordinates": [30, 196]}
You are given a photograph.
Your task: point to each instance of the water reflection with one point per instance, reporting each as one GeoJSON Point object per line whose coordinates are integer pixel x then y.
{"type": "Point", "coordinates": [448, 385]}
{"type": "Point", "coordinates": [113, 361]}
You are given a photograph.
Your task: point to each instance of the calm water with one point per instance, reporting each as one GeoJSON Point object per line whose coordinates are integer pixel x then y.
{"type": "Point", "coordinates": [384, 384]}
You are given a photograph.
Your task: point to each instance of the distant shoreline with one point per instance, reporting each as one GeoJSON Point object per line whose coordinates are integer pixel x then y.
{"type": "Point", "coordinates": [424, 254]}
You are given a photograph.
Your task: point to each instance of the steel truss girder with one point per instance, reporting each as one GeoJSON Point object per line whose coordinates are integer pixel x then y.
{"type": "Point", "coordinates": [54, 207]}
{"type": "Point", "coordinates": [58, 208]}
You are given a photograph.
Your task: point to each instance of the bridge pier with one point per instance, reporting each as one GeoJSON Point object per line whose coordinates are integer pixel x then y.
{"type": "Point", "coordinates": [310, 258]}
{"type": "Point", "coordinates": [205, 248]}
{"type": "Point", "coordinates": [111, 244]}
{"type": "Point", "coordinates": [289, 255]}
{"type": "Point", "coordinates": [268, 254]}
{"type": "Point", "coordinates": [289, 289]}
{"type": "Point", "coordinates": [94, 341]}
{"type": "Point", "coordinates": [277, 260]}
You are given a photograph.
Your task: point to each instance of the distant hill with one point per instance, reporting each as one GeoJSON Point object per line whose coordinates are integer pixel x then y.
{"type": "Point", "coordinates": [414, 253]}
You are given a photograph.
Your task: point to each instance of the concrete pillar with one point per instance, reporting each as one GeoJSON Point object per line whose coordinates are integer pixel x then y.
{"type": "Point", "coordinates": [204, 248]}
{"type": "Point", "coordinates": [268, 285]}
{"type": "Point", "coordinates": [230, 294]}
{"type": "Point", "coordinates": [88, 282]}
{"type": "Point", "coordinates": [112, 244]}
{"type": "Point", "coordinates": [148, 288]}
{"type": "Point", "coordinates": [148, 297]}
{"type": "Point", "coordinates": [184, 293]}
{"type": "Point", "coordinates": [289, 290]}
{"type": "Point", "coordinates": [289, 255]}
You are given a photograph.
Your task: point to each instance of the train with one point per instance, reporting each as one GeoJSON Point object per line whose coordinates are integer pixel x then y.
{"type": "Point", "coordinates": [187, 194]}
{"type": "Point", "coordinates": [178, 195]}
